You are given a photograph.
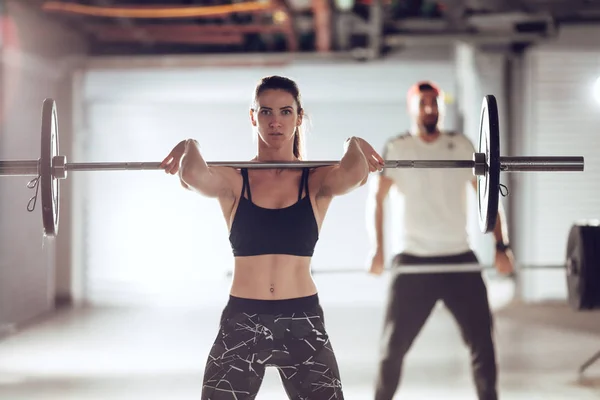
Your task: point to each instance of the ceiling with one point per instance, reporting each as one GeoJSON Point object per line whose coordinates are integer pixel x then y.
{"type": "Point", "coordinates": [364, 28]}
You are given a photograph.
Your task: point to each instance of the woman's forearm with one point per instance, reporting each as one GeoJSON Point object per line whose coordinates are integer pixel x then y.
{"type": "Point", "coordinates": [354, 161]}
{"type": "Point", "coordinates": [197, 175]}
{"type": "Point", "coordinates": [192, 167]}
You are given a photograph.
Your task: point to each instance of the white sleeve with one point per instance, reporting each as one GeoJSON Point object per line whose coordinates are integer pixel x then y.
{"type": "Point", "coordinates": [391, 151]}
{"type": "Point", "coordinates": [468, 152]}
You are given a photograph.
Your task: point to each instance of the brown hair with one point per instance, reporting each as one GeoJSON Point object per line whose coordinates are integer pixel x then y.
{"type": "Point", "coordinates": [288, 85]}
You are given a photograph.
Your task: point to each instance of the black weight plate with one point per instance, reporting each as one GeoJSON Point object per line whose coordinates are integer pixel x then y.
{"type": "Point", "coordinates": [49, 186]}
{"type": "Point", "coordinates": [583, 266]}
{"type": "Point", "coordinates": [488, 185]}
{"type": "Point", "coordinates": [573, 267]}
{"type": "Point", "coordinates": [594, 268]}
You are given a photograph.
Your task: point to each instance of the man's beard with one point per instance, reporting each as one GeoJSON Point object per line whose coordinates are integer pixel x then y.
{"type": "Point", "coordinates": [430, 127]}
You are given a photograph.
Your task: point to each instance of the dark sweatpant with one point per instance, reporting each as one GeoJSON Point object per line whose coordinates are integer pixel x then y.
{"type": "Point", "coordinates": [411, 300]}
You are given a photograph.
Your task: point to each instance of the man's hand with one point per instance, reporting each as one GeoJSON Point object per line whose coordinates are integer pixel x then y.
{"type": "Point", "coordinates": [504, 262]}
{"type": "Point", "coordinates": [376, 267]}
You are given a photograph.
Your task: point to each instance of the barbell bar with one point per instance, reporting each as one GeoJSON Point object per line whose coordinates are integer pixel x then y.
{"type": "Point", "coordinates": [486, 165]}
{"type": "Point", "coordinates": [427, 269]}
{"type": "Point", "coordinates": [507, 164]}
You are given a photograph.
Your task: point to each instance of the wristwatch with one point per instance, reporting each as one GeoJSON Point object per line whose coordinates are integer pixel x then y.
{"type": "Point", "coordinates": [501, 246]}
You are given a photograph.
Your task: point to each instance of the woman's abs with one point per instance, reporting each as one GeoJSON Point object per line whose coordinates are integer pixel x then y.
{"type": "Point", "coordinates": [272, 277]}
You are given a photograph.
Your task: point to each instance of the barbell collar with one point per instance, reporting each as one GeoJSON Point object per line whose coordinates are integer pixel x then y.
{"type": "Point", "coordinates": [59, 167]}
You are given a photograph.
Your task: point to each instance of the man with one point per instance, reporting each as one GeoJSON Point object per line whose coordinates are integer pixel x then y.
{"type": "Point", "coordinates": [434, 232]}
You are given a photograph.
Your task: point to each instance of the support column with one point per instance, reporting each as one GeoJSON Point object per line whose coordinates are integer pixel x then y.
{"type": "Point", "coordinates": [322, 18]}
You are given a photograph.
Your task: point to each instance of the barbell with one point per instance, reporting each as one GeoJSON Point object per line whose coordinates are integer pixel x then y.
{"type": "Point", "coordinates": [486, 164]}
{"type": "Point", "coordinates": [581, 266]}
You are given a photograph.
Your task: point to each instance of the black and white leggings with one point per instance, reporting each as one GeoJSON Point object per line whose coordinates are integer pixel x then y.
{"type": "Point", "coordinates": [287, 334]}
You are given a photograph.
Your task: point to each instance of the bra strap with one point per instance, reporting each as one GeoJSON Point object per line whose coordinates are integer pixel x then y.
{"type": "Point", "coordinates": [303, 183]}
{"type": "Point", "coordinates": [246, 184]}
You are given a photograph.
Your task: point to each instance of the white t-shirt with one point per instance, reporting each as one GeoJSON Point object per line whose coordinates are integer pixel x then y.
{"type": "Point", "coordinates": [434, 219]}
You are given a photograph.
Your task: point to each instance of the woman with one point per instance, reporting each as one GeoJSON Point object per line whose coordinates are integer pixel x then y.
{"type": "Point", "coordinates": [273, 316]}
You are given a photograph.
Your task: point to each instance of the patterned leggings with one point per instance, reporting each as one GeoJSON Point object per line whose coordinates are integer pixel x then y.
{"type": "Point", "coordinates": [287, 334]}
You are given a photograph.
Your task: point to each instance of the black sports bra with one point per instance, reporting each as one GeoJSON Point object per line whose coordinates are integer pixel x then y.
{"type": "Point", "coordinates": [290, 230]}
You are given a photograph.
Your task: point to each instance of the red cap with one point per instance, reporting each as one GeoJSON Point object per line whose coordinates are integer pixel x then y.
{"type": "Point", "coordinates": [414, 89]}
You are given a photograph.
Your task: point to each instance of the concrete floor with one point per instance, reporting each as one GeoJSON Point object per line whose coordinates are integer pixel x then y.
{"type": "Point", "coordinates": [151, 353]}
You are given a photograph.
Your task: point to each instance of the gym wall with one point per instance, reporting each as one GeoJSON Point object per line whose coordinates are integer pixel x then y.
{"type": "Point", "coordinates": [555, 114]}
{"type": "Point", "coordinates": [37, 59]}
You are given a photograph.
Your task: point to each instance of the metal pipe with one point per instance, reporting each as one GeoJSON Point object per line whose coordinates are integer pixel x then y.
{"type": "Point", "coordinates": [19, 167]}
{"type": "Point", "coordinates": [112, 166]}
{"type": "Point", "coordinates": [117, 166]}
{"type": "Point", "coordinates": [429, 164]}
{"type": "Point", "coordinates": [437, 268]}
{"type": "Point", "coordinates": [533, 164]}
{"type": "Point", "coordinates": [507, 164]}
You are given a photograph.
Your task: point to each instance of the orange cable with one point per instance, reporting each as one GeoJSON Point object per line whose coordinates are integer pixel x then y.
{"type": "Point", "coordinates": [154, 12]}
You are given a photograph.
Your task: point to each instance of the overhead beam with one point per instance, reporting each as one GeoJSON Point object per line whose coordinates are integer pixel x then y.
{"type": "Point", "coordinates": [155, 11]}
{"type": "Point", "coordinates": [143, 35]}
{"type": "Point", "coordinates": [185, 34]}
{"type": "Point", "coordinates": [187, 29]}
